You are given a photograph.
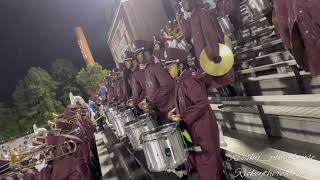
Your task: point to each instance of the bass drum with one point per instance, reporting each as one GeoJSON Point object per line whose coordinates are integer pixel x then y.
{"type": "Point", "coordinates": [164, 148]}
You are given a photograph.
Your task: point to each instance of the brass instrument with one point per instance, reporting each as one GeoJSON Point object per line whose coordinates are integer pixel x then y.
{"type": "Point", "coordinates": [48, 152]}
{"type": "Point", "coordinates": [51, 124]}
{"type": "Point", "coordinates": [57, 116]}
{"type": "Point", "coordinates": [73, 119]}
{"type": "Point", "coordinates": [217, 69]}
{"type": "Point", "coordinates": [174, 30]}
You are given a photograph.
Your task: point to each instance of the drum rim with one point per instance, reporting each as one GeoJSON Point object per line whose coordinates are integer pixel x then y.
{"type": "Point", "coordinates": [136, 122]}
{"type": "Point", "coordinates": [155, 133]}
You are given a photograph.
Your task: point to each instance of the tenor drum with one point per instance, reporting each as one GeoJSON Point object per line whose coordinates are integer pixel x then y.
{"type": "Point", "coordinates": [164, 148]}
{"type": "Point", "coordinates": [134, 129]}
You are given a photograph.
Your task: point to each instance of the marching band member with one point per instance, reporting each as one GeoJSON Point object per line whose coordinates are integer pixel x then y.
{"type": "Point", "coordinates": [204, 32]}
{"type": "Point", "coordinates": [200, 28]}
{"type": "Point", "coordinates": [281, 24]}
{"type": "Point", "coordinates": [102, 92]}
{"type": "Point", "coordinates": [158, 50]}
{"type": "Point", "coordinates": [231, 9]}
{"type": "Point", "coordinates": [138, 78]}
{"type": "Point", "coordinates": [159, 85]}
{"type": "Point", "coordinates": [299, 24]}
{"type": "Point", "coordinates": [121, 90]}
{"type": "Point", "coordinates": [113, 90]}
{"type": "Point", "coordinates": [129, 63]}
{"type": "Point", "coordinates": [192, 106]}
{"type": "Point", "coordinates": [110, 89]}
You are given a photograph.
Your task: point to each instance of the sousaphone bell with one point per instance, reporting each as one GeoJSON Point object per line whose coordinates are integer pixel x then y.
{"type": "Point", "coordinates": [222, 67]}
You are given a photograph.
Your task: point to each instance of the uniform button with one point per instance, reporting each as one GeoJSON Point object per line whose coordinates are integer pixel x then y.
{"type": "Point", "coordinates": [307, 32]}
{"type": "Point", "coordinates": [300, 11]}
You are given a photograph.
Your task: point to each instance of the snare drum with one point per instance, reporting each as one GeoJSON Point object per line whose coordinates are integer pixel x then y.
{"type": "Point", "coordinates": [134, 129]}
{"type": "Point", "coordinates": [164, 148]}
{"type": "Point", "coordinates": [118, 125]}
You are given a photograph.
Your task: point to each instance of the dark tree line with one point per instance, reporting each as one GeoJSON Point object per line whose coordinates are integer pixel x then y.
{"type": "Point", "coordinates": [42, 93]}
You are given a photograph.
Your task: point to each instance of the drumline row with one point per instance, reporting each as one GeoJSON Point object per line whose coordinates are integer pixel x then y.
{"type": "Point", "coordinates": [163, 146]}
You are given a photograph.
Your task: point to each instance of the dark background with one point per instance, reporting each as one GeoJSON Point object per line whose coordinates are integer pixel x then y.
{"type": "Point", "coordinates": [36, 32]}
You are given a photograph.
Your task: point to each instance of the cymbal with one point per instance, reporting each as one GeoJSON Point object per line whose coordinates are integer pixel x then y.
{"type": "Point", "coordinates": [217, 69]}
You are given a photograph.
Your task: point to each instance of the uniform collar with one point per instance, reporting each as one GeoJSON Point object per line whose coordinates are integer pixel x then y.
{"type": "Point", "coordinates": [142, 66]}
{"type": "Point", "coordinates": [186, 74]}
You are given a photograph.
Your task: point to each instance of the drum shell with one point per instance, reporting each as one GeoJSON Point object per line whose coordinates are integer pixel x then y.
{"type": "Point", "coordinates": [165, 153]}
{"type": "Point", "coordinates": [112, 113]}
{"type": "Point", "coordinates": [110, 116]}
{"type": "Point", "coordinates": [134, 130]}
{"type": "Point", "coordinates": [118, 123]}
{"type": "Point", "coordinates": [118, 126]}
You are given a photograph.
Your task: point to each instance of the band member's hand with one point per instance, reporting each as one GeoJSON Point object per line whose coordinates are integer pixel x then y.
{"type": "Point", "coordinates": [172, 112]}
{"type": "Point", "coordinates": [176, 118]}
{"type": "Point", "coordinates": [147, 108]}
{"type": "Point", "coordinates": [140, 105]}
{"type": "Point", "coordinates": [130, 103]}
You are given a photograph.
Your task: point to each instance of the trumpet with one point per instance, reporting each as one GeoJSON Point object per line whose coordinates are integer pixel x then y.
{"type": "Point", "coordinates": [51, 124]}
{"type": "Point", "coordinates": [22, 161]}
{"type": "Point", "coordinates": [73, 119]}
{"type": "Point", "coordinates": [57, 116]}
{"type": "Point", "coordinates": [174, 30]}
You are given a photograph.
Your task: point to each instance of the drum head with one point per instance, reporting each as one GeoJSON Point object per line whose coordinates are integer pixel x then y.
{"type": "Point", "coordinates": [159, 132]}
{"type": "Point", "coordinates": [298, 49]}
{"type": "Point", "coordinates": [217, 69]}
{"type": "Point", "coordinates": [139, 121]}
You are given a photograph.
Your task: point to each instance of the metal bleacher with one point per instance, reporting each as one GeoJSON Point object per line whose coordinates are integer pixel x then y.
{"type": "Point", "coordinates": [276, 113]}
{"type": "Point", "coordinates": [271, 128]}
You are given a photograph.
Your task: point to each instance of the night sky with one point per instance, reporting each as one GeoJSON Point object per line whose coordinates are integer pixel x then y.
{"type": "Point", "coordinates": [36, 32]}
